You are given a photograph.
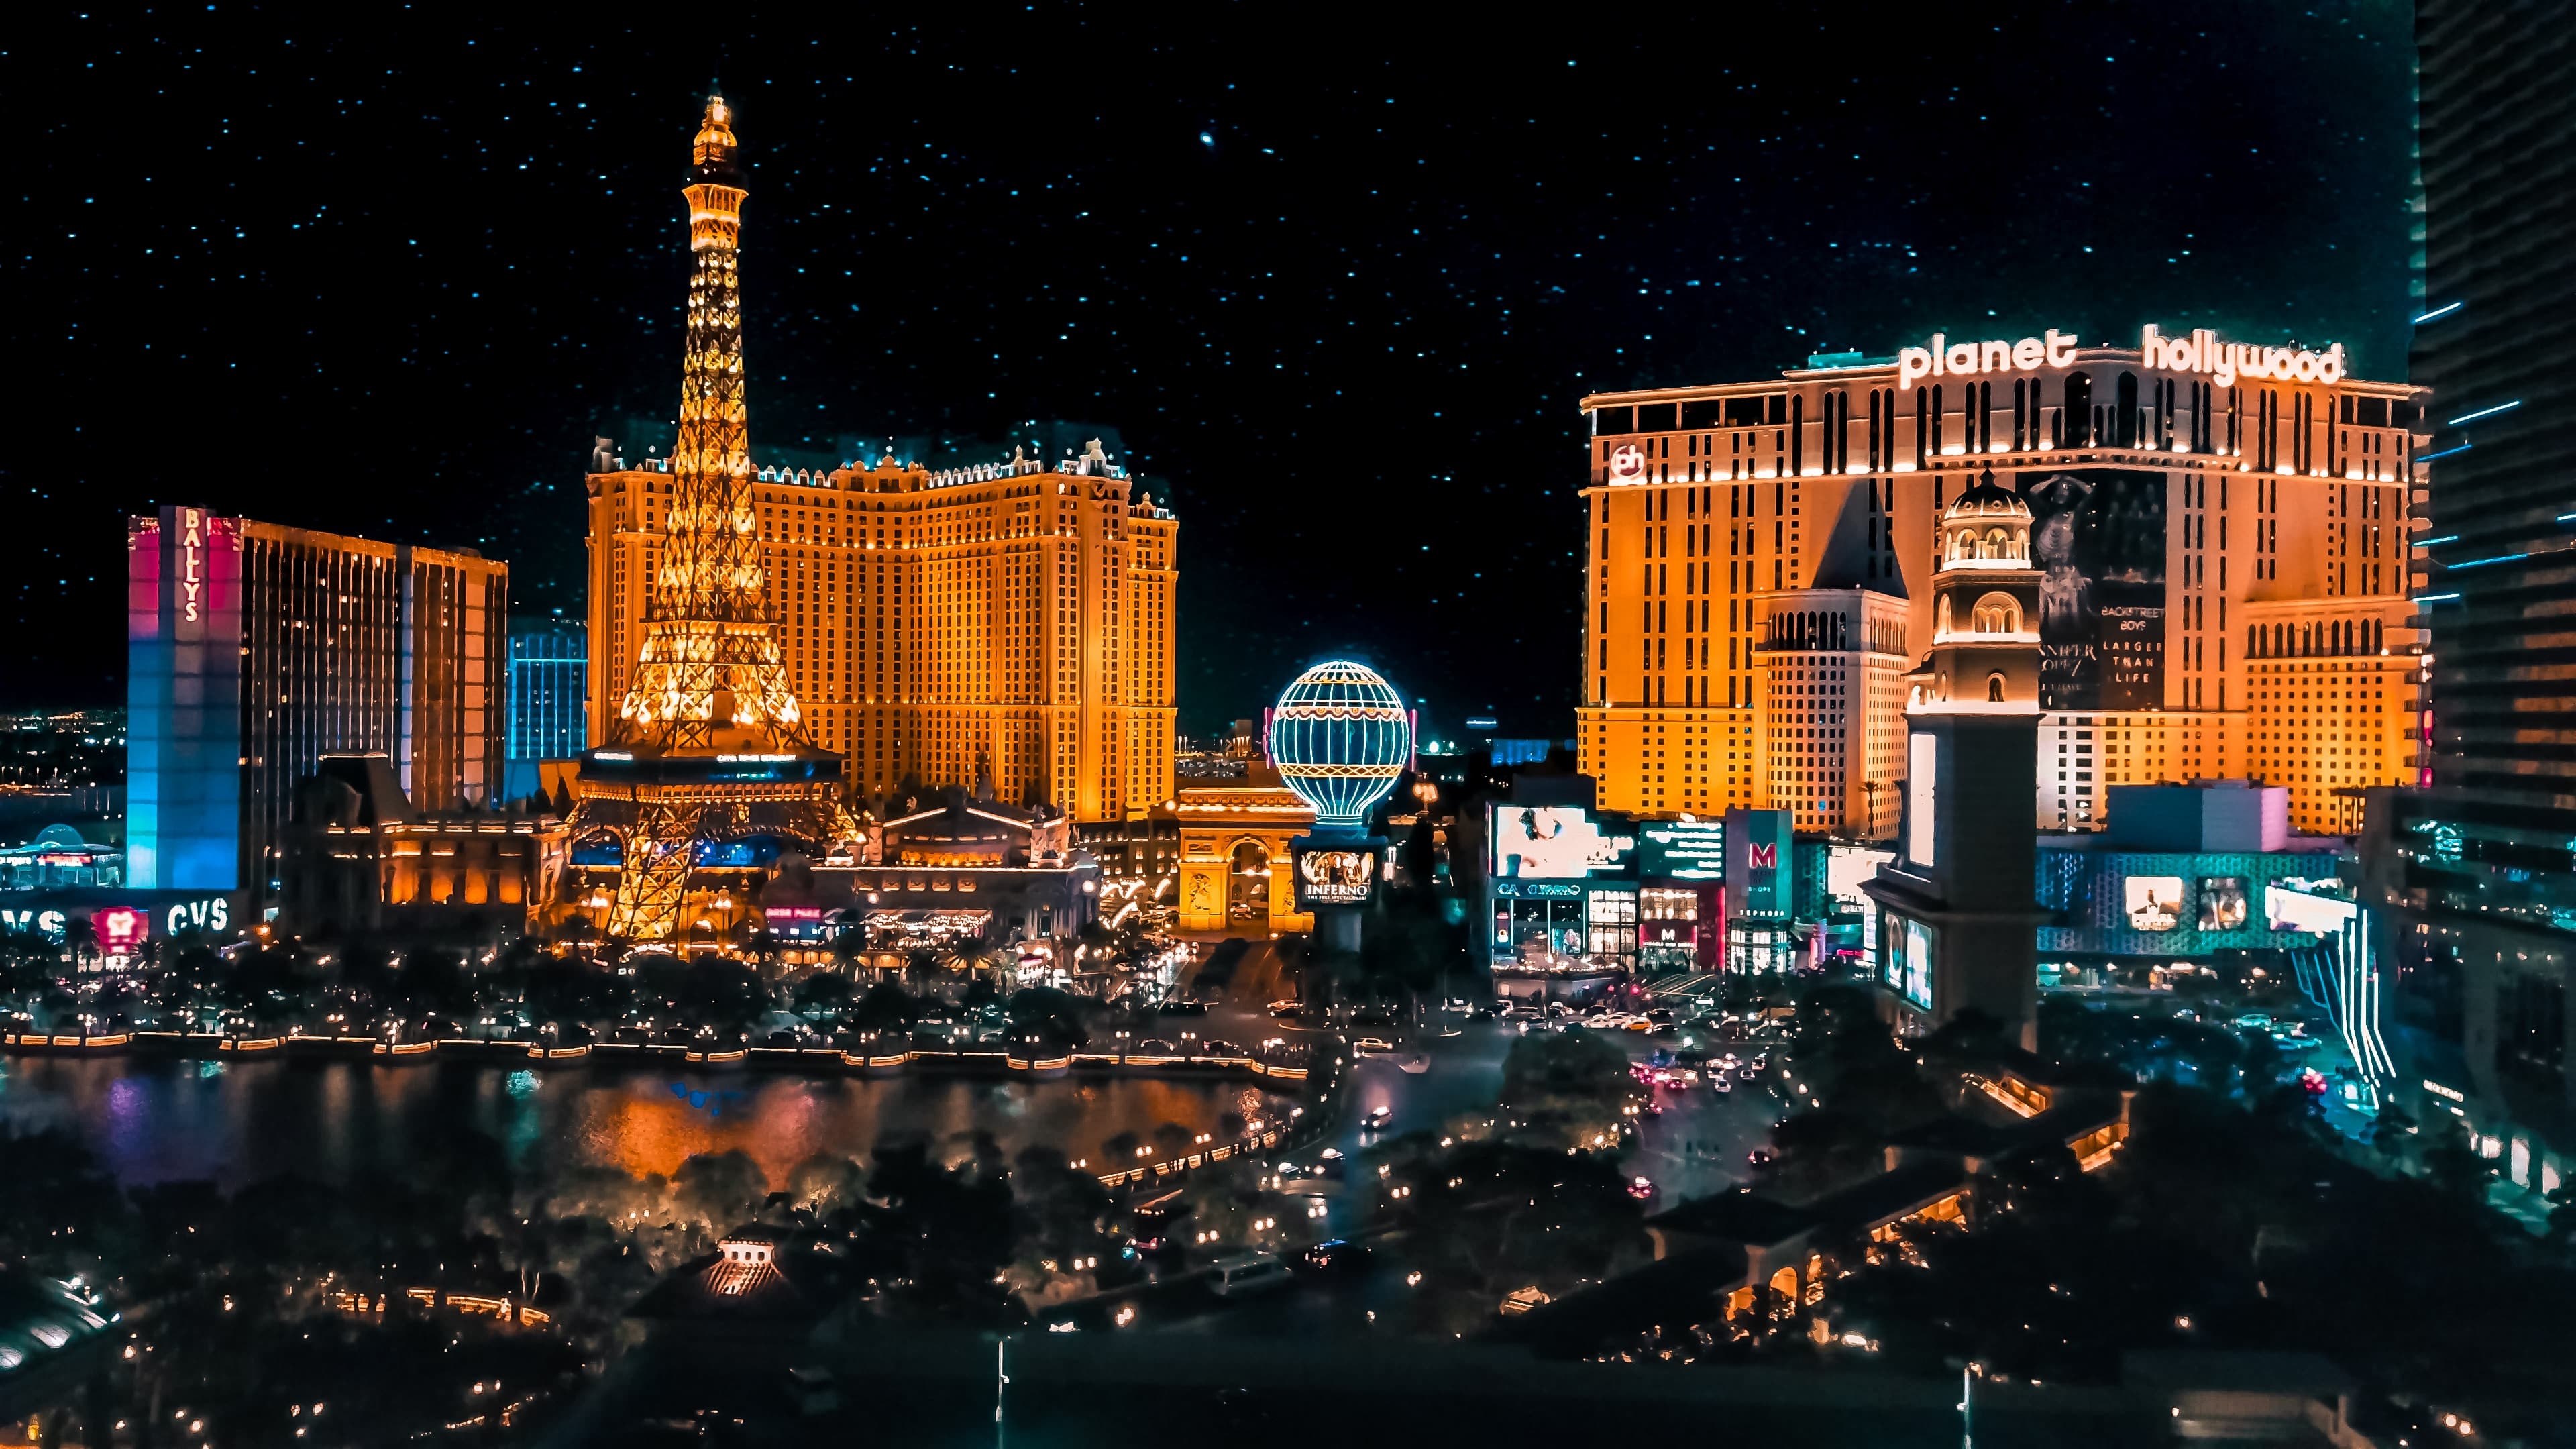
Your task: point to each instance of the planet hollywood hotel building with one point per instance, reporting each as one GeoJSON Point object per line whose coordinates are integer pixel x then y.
{"type": "Point", "coordinates": [2221, 531]}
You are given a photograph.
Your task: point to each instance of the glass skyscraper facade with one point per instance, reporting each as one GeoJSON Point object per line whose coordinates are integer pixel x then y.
{"type": "Point", "coordinates": [549, 702]}
{"type": "Point", "coordinates": [2481, 861]}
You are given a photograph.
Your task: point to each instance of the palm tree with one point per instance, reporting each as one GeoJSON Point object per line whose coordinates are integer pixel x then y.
{"type": "Point", "coordinates": [82, 938]}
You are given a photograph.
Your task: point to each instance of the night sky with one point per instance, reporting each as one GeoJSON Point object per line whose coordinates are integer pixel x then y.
{"type": "Point", "coordinates": [1338, 283]}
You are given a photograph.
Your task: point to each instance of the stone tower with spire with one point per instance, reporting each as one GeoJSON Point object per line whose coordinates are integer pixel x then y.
{"type": "Point", "coordinates": [708, 744]}
{"type": "Point", "coordinates": [1958, 906]}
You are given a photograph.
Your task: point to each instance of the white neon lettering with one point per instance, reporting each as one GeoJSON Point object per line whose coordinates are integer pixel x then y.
{"type": "Point", "coordinates": [2225, 362]}
{"type": "Point", "coordinates": [1944, 358]}
{"type": "Point", "coordinates": [189, 580]}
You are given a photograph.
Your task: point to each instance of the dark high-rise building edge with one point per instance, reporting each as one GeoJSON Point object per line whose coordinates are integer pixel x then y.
{"type": "Point", "coordinates": [2482, 860]}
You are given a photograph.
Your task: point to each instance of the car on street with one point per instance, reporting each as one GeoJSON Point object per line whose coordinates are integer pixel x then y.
{"type": "Point", "coordinates": [1334, 1255]}
{"type": "Point", "coordinates": [1179, 1006]}
{"type": "Point", "coordinates": [1642, 1189]}
{"type": "Point", "coordinates": [1368, 1045]}
{"type": "Point", "coordinates": [1376, 1118]}
{"type": "Point", "coordinates": [1240, 1275]}
{"type": "Point", "coordinates": [1760, 1158]}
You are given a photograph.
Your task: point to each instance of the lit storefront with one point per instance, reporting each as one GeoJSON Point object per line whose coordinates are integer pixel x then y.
{"type": "Point", "coordinates": [1562, 899]}
{"type": "Point", "coordinates": [1681, 865]}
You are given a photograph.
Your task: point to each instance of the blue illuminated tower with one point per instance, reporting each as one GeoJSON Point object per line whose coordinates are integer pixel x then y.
{"type": "Point", "coordinates": [1340, 736]}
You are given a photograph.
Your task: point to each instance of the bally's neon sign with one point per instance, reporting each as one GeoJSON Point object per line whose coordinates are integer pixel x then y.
{"type": "Point", "coordinates": [192, 555]}
{"type": "Point", "coordinates": [2199, 352]}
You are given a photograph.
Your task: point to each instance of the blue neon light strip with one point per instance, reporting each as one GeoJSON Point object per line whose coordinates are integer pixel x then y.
{"type": "Point", "coordinates": [2486, 412]}
{"type": "Point", "coordinates": [2564, 517]}
{"type": "Point", "coordinates": [2446, 452]}
{"type": "Point", "coordinates": [2432, 598]}
{"type": "Point", "coordinates": [2475, 562]}
{"type": "Point", "coordinates": [2438, 312]}
{"type": "Point", "coordinates": [2445, 538]}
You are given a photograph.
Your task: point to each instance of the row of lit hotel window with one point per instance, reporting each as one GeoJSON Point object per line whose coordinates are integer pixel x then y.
{"type": "Point", "coordinates": [2075, 419]}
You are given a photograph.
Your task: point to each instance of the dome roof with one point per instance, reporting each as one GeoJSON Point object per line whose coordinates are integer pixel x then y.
{"type": "Point", "coordinates": [1986, 499]}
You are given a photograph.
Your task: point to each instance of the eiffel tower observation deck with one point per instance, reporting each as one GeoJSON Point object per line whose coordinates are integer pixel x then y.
{"type": "Point", "coordinates": [708, 745]}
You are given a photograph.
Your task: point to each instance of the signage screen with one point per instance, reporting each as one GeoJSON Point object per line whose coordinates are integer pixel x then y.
{"type": "Point", "coordinates": [2154, 901]}
{"type": "Point", "coordinates": [1552, 842]}
{"type": "Point", "coordinates": [2295, 910]}
{"type": "Point", "coordinates": [1335, 877]}
{"type": "Point", "coordinates": [1918, 964]}
{"type": "Point", "coordinates": [1681, 850]}
{"type": "Point", "coordinates": [2222, 903]}
{"type": "Point", "coordinates": [2098, 537]}
{"type": "Point", "coordinates": [1759, 860]}
{"type": "Point", "coordinates": [1922, 771]}
{"type": "Point", "coordinates": [1908, 967]}
{"type": "Point", "coordinates": [1846, 866]}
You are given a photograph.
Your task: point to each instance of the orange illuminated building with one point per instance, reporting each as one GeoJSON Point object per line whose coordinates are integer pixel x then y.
{"type": "Point", "coordinates": [1014, 613]}
{"type": "Point", "coordinates": [2221, 535]}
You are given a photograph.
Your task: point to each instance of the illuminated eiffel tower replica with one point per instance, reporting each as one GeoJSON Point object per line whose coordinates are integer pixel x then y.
{"type": "Point", "coordinates": [709, 744]}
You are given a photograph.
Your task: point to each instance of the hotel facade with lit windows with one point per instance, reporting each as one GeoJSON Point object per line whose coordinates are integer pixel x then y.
{"type": "Point", "coordinates": [2220, 534]}
{"type": "Point", "coordinates": [1015, 617]}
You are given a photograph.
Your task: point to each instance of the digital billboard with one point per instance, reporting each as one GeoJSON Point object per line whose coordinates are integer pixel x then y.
{"type": "Point", "coordinates": [1681, 850]}
{"type": "Point", "coordinates": [2098, 538]}
{"type": "Point", "coordinates": [1552, 842]}
{"type": "Point", "coordinates": [2288, 908]}
{"type": "Point", "coordinates": [1907, 970]}
{"type": "Point", "coordinates": [2154, 902]}
{"type": "Point", "coordinates": [1918, 964]}
{"type": "Point", "coordinates": [1846, 867]}
{"type": "Point", "coordinates": [1759, 862]}
{"type": "Point", "coordinates": [1922, 782]}
{"type": "Point", "coordinates": [1335, 876]}
{"type": "Point", "coordinates": [2222, 903]}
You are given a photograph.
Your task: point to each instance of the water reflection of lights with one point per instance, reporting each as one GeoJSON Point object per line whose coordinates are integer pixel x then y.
{"type": "Point", "coordinates": [244, 1121]}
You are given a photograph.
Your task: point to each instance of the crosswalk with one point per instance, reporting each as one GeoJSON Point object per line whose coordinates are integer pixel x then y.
{"type": "Point", "coordinates": [1696, 984]}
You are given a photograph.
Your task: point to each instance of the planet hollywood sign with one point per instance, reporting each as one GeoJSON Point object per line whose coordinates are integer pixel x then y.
{"type": "Point", "coordinates": [2199, 352]}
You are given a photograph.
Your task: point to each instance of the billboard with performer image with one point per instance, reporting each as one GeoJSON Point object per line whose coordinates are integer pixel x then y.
{"type": "Point", "coordinates": [1336, 875]}
{"type": "Point", "coordinates": [2097, 535]}
{"type": "Point", "coordinates": [1552, 842]}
